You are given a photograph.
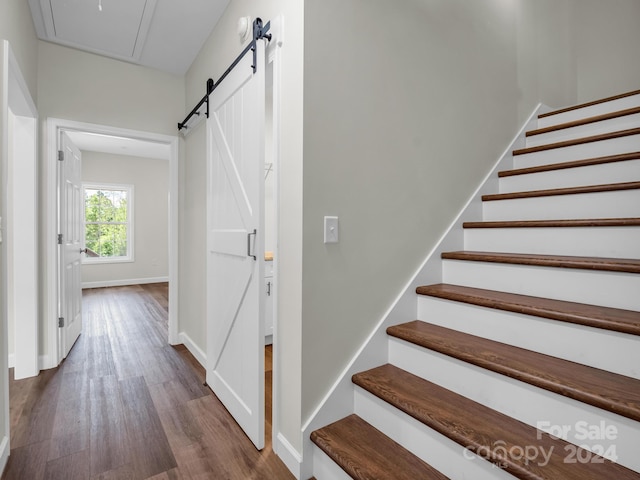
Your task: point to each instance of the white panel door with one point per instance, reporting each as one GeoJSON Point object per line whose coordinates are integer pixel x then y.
{"type": "Point", "coordinates": [70, 226]}
{"type": "Point", "coordinates": [235, 245]}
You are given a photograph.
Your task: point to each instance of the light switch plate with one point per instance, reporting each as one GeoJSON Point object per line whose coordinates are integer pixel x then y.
{"type": "Point", "coordinates": [330, 229]}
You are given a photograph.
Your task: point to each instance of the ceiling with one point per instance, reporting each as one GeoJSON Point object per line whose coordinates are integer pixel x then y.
{"type": "Point", "coordinates": [162, 34]}
{"type": "Point", "coordinates": [95, 142]}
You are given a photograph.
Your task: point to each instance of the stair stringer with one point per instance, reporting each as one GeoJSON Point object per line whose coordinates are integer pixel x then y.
{"type": "Point", "coordinates": [339, 401]}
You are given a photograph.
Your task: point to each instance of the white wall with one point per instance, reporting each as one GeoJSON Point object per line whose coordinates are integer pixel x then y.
{"type": "Point", "coordinates": [406, 106]}
{"type": "Point", "coordinates": [218, 52]}
{"type": "Point", "coordinates": [150, 180]}
{"type": "Point", "coordinates": [80, 86]}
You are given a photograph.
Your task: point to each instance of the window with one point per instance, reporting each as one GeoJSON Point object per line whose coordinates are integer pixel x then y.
{"type": "Point", "coordinates": [108, 223]}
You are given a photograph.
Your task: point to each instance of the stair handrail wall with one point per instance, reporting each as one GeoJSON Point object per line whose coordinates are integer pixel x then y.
{"type": "Point", "coordinates": [338, 402]}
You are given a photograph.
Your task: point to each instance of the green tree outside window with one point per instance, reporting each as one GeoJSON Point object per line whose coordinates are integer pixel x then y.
{"type": "Point", "coordinates": [107, 222]}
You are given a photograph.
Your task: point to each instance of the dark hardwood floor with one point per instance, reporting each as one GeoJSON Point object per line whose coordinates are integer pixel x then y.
{"type": "Point", "coordinates": [126, 405]}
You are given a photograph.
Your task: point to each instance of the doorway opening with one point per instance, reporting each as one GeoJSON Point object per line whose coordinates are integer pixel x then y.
{"type": "Point", "coordinates": [105, 144]}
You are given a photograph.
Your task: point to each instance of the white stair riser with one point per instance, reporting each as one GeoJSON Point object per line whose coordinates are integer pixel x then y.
{"type": "Point", "coordinates": [609, 204]}
{"type": "Point", "coordinates": [616, 172]}
{"type": "Point", "coordinates": [326, 469]}
{"type": "Point", "coordinates": [609, 289]}
{"type": "Point", "coordinates": [612, 242]}
{"type": "Point", "coordinates": [613, 351]}
{"type": "Point", "coordinates": [519, 400]}
{"type": "Point", "coordinates": [614, 146]}
{"type": "Point", "coordinates": [592, 111]}
{"type": "Point", "coordinates": [442, 453]}
{"type": "Point", "coordinates": [587, 130]}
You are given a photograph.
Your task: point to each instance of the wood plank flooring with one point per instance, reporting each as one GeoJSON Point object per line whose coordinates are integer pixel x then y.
{"type": "Point", "coordinates": [126, 405]}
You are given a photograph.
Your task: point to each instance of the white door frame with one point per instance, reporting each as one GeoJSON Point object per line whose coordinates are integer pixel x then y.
{"type": "Point", "coordinates": [54, 126]}
{"type": "Point", "coordinates": [16, 98]}
{"type": "Point", "coordinates": [274, 57]}
{"type": "Point", "coordinates": [21, 235]}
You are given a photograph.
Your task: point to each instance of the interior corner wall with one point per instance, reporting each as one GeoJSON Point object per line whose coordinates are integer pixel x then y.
{"type": "Point", "coordinates": [216, 55]}
{"type": "Point", "coordinates": [80, 86]}
{"type": "Point", "coordinates": [150, 180]}
{"type": "Point", "coordinates": [16, 26]}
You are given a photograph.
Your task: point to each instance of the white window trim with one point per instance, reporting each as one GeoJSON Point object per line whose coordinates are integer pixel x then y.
{"type": "Point", "coordinates": [130, 257]}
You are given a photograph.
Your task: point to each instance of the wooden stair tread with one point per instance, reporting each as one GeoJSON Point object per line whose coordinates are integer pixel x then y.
{"type": "Point", "coordinates": [609, 187]}
{"type": "Point", "coordinates": [629, 265]}
{"type": "Point", "coordinates": [574, 164]}
{"type": "Point", "coordinates": [481, 429]}
{"type": "Point", "coordinates": [610, 391]}
{"type": "Point", "coordinates": [578, 141]}
{"type": "Point", "coordinates": [584, 121]}
{"type": "Point", "coordinates": [614, 319]}
{"type": "Point", "coordinates": [589, 104]}
{"type": "Point", "coordinates": [588, 222]}
{"type": "Point", "coordinates": [366, 453]}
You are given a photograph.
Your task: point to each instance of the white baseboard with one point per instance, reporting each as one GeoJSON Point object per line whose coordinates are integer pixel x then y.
{"type": "Point", "coordinates": [4, 453]}
{"type": "Point", "coordinates": [289, 456]}
{"type": "Point", "coordinates": [12, 360]}
{"type": "Point", "coordinates": [196, 351]}
{"type": "Point", "coordinates": [124, 282]}
{"type": "Point", "coordinates": [45, 362]}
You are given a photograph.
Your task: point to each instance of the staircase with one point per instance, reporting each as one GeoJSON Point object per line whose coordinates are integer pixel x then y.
{"type": "Point", "coordinates": [525, 361]}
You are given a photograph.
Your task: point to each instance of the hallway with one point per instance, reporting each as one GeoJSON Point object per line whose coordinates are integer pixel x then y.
{"type": "Point", "coordinates": [126, 405]}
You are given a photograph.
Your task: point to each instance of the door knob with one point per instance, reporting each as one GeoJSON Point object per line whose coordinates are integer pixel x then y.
{"type": "Point", "coordinates": [83, 250]}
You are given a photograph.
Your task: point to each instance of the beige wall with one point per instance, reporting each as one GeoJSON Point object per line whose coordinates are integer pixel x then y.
{"type": "Point", "coordinates": [16, 26]}
{"type": "Point", "coordinates": [84, 87]}
{"type": "Point", "coordinates": [396, 138]}
{"type": "Point", "coordinates": [407, 105]}
{"type": "Point", "coordinates": [607, 36]}
{"type": "Point", "coordinates": [80, 86]}
{"type": "Point", "coordinates": [150, 180]}
{"type": "Point", "coordinates": [216, 55]}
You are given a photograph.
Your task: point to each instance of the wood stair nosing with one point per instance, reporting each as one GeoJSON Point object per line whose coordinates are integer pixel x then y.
{"type": "Point", "coordinates": [584, 121]}
{"type": "Point", "coordinates": [609, 187]}
{"type": "Point", "coordinates": [573, 164]}
{"type": "Point", "coordinates": [625, 265]}
{"type": "Point", "coordinates": [589, 104]}
{"type": "Point", "coordinates": [585, 222]}
{"type": "Point", "coordinates": [492, 435]}
{"type": "Point", "coordinates": [578, 141]}
{"type": "Point", "coordinates": [366, 453]}
{"type": "Point", "coordinates": [569, 379]}
{"type": "Point", "coordinates": [606, 318]}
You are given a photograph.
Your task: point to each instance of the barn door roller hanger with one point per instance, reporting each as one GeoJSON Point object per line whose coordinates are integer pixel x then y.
{"type": "Point", "coordinates": [260, 31]}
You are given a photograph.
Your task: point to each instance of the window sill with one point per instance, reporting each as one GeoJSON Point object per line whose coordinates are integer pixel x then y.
{"type": "Point", "coordinates": [104, 261]}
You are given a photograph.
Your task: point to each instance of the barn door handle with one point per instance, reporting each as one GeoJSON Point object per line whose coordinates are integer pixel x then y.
{"type": "Point", "coordinates": [249, 243]}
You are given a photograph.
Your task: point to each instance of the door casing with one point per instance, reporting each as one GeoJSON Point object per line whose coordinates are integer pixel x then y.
{"type": "Point", "coordinates": [53, 128]}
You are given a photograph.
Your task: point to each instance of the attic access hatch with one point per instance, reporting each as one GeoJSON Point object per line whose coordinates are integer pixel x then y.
{"type": "Point", "coordinates": [115, 28]}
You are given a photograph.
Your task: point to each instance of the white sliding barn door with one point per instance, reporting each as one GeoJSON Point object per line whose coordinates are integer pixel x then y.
{"type": "Point", "coordinates": [70, 203]}
{"type": "Point", "coordinates": [235, 244]}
